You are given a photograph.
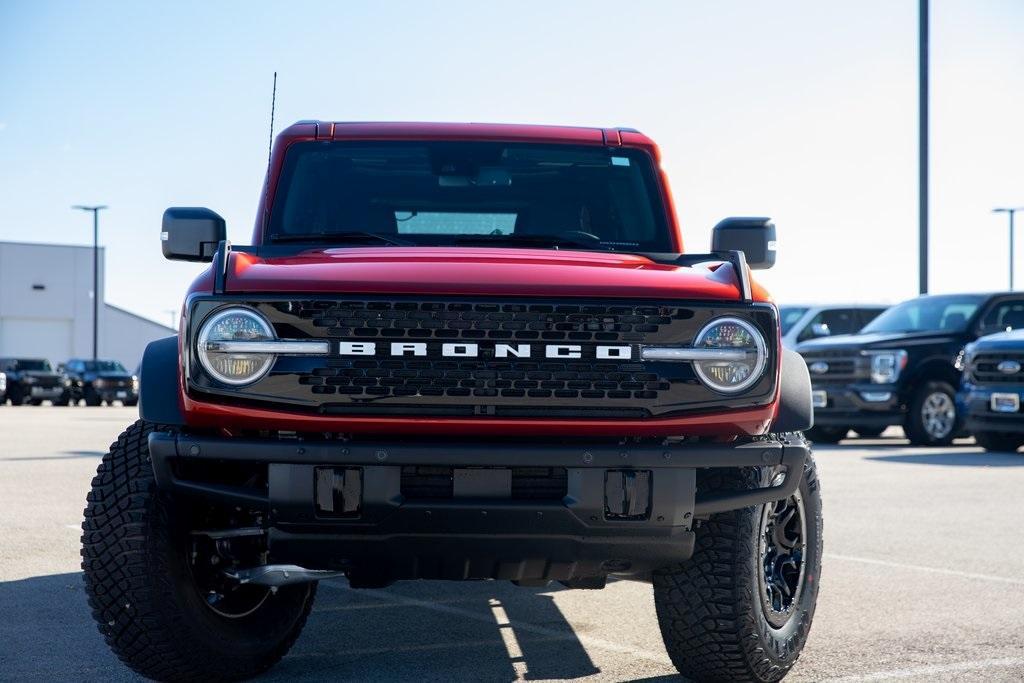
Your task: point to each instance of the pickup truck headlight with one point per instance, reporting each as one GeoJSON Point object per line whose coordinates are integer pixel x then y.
{"type": "Point", "coordinates": [887, 365]}
{"type": "Point", "coordinates": [135, 384]}
{"type": "Point", "coordinates": [222, 359]}
{"type": "Point", "coordinates": [3, 382]}
{"type": "Point", "coordinates": [736, 355]}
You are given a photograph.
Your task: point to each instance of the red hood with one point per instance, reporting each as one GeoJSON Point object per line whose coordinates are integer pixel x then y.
{"type": "Point", "coordinates": [480, 271]}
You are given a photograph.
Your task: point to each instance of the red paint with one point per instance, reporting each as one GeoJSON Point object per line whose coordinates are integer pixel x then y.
{"type": "Point", "coordinates": [472, 271]}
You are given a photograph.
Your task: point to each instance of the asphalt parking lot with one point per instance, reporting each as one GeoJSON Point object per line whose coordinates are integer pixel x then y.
{"type": "Point", "coordinates": [923, 580]}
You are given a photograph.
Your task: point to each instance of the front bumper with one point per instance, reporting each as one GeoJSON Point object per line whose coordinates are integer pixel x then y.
{"type": "Point", "coordinates": [974, 403]}
{"type": "Point", "coordinates": [39, 393]}
{"type": "Point", "coordinates": [397, 535]}
{"type": "Point", "coordinates": [847, 406]}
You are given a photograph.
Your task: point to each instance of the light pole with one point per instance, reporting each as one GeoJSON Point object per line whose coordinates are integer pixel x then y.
{"type": "Point", "coordinates": [95, 272]}
{"type": "Point", "coordinates": [1010, 211]}
{"type": "Point", "coordinates": [922, 147]}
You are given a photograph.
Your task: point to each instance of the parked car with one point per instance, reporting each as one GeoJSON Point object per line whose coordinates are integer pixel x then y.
{"type": "Point", "coordinates": [33, 380]}
{"type": "Point", "coordinates": [901, 369]}
{"type": "Point", "coordinates": [461, 351]}
{"type": "Point", "coordinates": [803, 323]}
{"type": "Point", "coordinates": [99, 381]}
{"type": "Point", "coordinates": [993, 387]}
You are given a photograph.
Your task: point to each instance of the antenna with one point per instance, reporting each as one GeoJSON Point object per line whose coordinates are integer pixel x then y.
{"type": "Point", "coordinates": [273, 101]}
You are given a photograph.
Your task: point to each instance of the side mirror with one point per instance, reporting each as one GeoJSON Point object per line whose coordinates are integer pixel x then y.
{"type": "Point", "coordinates": [755, 237]}
{"type": "Point", "coordinates": [191, 233]}
{"type": "Point", "coordinates": [820, 330]}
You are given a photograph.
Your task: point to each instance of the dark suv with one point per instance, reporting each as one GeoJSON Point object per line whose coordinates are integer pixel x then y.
{"type": "Point", "coordinates": [33, 380]}
{"type": "Point", "coordinates": [993, 386]}
{"type": "Point", "coordinates": [97, 381]}
{"type": "Point", "coordinates": [902, 368]}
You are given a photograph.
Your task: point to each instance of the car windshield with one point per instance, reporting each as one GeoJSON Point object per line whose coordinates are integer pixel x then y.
{"type": "Point", "coordinates": [104, 366]}
{"type": "Point", "coordinates": [927, 314]}
{"type": "Point", "coordinates": [789, 315]}
{"type": "Point", "coordinates": [469, 194]}
{"type": "Point", "coordinates": [32, 365]}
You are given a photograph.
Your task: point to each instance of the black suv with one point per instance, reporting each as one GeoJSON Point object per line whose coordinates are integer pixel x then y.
{"type": "Point", "coordinates": [97, 381]}
{"type": "Point", "coordinates": [33, 380]}
{"type": "Point", "coordinates": [902, 368]}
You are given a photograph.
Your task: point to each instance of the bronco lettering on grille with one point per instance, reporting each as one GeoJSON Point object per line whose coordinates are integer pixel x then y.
{"type": "Point", "coordinates": [472, 350]}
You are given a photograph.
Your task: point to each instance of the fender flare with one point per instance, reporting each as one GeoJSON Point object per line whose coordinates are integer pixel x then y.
{"type": "Point", "coordinates": [795, 413]}
{"type": "Point", "coordinates": [158, 383]}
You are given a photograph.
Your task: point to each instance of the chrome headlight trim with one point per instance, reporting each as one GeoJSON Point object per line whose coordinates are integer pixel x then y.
{"type": "Point", "coordinates": [761, 350]}
{"type": "Point", "coordinates": [203, 345]}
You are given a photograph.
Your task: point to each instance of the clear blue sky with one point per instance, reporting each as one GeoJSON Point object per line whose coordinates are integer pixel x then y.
{"type": "Point", "coordinates": [802, 110]}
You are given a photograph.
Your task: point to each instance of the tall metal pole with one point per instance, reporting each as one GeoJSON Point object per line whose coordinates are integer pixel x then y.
{"type": "Point", "coordinates": [922, 144]}
{"type": "Point", "coordinates": [1010, 212]}
{"type": "Point", "coordinates": [95, 274]}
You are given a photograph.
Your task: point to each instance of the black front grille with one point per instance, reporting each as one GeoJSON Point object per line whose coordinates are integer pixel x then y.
{"type": "Point", "coordinates": [477, 321]}
{"type": "Point", "coordinates": [47, 382]}
{"type": "Point", "coordinates": [528, 483]}
{"type": "Point", "coordinates": [838, 366]}
{"type": "Point", "coordinates": [985, 368]}
{"type": "Point", "coordinates": [486, 383]}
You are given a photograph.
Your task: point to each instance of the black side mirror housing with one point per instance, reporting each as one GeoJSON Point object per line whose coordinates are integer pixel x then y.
{"type": "Point", "coordinates": [755, 237]}
{"type": "Point", "coordinates": [191, 233]}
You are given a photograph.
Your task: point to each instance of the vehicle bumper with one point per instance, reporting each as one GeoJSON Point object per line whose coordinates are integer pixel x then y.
{"type": "Point", "coordinates": [875, 405]}
{"type": "Point", "coordinates": [44, 393]}
{"type": "Point", "coordinates": [117, 395]}
{"type": "Point", "coordinates": [975, 404]}
{"type": "Point", "coordinates": [398, 535]}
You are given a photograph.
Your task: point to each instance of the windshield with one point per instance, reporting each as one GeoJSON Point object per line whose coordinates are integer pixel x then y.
{"type": "Point", "coordinates": [104, 366]}
{"type": "Point", "coordinates": [469, 193]}
{"type": "Point", "coordinates": [30, 364]}
{"type": "Point", "coordinates": [789, 315]}
{"type": "Point", "coordinates": [928, 314]}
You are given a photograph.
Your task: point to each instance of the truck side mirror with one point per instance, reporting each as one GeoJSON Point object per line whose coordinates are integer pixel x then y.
{"type": "Point", "coordinates": [191, 233]}
{"type": "Point", "coordinates": [755, 237]}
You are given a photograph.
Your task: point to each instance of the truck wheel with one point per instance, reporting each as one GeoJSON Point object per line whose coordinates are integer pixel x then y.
{"type": "Point", "coordinates": [932, 420]}
{"type": "Point", "coordinates": [92, 398]}
{"type": "Point", "coordinates": [151, 594]}
{"type": "Point", "coordinates": [741, 608]}
{"type": "Point", "coordinates": [826, 434]}
{"type": "Point", "coordinates": [16, 396]}
{"type": "Point", "coordinates": [995, 441]}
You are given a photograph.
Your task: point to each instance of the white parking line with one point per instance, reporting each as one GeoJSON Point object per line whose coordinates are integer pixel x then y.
{"type": "Point", "coordinates": [586, 641]}
{"type": "Point", "coordinates": [933, 670]}
{"type": "Point", "coordinates": [922, 568]}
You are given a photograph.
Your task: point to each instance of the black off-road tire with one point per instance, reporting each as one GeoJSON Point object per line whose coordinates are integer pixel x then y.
{"type": "Point", "coordinates": [141, 590]}
{"type": "Point", "coordinates": [999, 442]}
{"type": "Point", "coordinates": [712, 618]}
{"type": "Point", "coordinates": [916, 427]}
{"type": "Point", "coordinates": [826, 434]}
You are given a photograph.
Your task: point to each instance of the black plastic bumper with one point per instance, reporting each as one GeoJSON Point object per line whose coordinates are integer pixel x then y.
{"type": "Point", "coordinates": [974, 403]}
{"type": "Point", "coordinates": [398, 536]}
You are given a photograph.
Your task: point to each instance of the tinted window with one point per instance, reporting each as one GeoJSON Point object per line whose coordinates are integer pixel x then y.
{"type": "Point", "coordinates": [869, 314]}
{"type": "Point", "coordinates": [32, 364]}
{"type": "Point", "coordinates": [1004, 316]}
{"type": "Point", "coordinates": [103, 366]}
{"type": "Point", "coordinates": [789, 315]}
{"type": "Point", "coordinates": [454, 192]}
{"type": "Point", "coordinates": [928, 314]}
{"type": "Point", "coordinates": [832, 322]}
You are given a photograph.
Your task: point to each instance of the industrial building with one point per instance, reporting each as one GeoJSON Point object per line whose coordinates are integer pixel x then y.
{"type": "Point", "coordinates": [46, 307]}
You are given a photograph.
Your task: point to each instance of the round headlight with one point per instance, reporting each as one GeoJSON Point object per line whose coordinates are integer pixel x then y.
{"type": "Point", "coordinates": [233, 367]}
{"type": "Point", "coordinates": [732, 372]}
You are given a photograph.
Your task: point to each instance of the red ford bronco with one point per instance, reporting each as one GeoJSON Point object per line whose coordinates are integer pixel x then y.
{"type": "Point", "coordinates": [460, 351]}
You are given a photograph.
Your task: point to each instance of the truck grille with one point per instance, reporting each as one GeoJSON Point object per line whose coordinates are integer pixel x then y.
{"type": "Point", "coordinates": [984, 368]}
{"type": "Point", "coordinates": [840, 366]}
{"type": "Point", "coordinates": [487, 384]}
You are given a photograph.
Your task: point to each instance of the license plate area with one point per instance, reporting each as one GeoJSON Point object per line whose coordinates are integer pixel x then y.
{"type": "Point", "coordinates": [1004, 403]}
{"type": "Point", "coordinates": [482, 482]}
{"type": "Point", "coordinates": [819, 399]}
{"type": "Point", "coordinates": [122, 394]}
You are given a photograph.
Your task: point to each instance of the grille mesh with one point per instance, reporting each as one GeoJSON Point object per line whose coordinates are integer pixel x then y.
{"type": "Point", "coordinates": [984, 368]}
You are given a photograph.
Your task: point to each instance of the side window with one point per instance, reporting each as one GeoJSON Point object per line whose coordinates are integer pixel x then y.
{"type": "Point", "coordinates": [1003, 316]}
{"type": "Point", "coordinates": [831, 323]}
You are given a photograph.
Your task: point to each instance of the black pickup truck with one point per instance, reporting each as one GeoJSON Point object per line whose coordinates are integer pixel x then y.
{"type": "Point", "coordinates": [903, 368]}
{"type": "Point", "coordinates": [33, 380]}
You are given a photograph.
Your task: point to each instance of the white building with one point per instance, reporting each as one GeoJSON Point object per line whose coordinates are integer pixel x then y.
{"type": "Point", "coordinates": [46, 307]}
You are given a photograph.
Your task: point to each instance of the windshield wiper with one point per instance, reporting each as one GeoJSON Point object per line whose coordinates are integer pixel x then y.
{"type": "Point", "coordinates": [339, 237]}
{"type": "Point", "coordinates": [554, 241]}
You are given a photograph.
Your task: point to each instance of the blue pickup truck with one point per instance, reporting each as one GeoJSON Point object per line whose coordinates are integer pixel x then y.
{"type": "Point", "coordinates": [993, 389]}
